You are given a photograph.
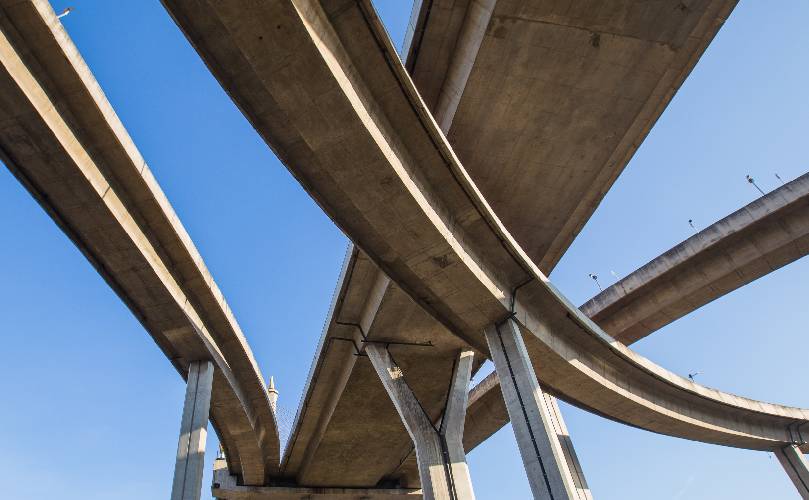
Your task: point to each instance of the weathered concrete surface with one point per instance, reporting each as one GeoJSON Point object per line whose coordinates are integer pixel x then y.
{"type": "Point", "coordinates": [190, 462]}
{"type": "Point", "coordinates": [343, 389]}
{"type": "Point", "coordinates": [556, 97]}
{"type": "Point", "coordinates": [757, 239]}
{"type": "Point", "coordinates": [327, 91]}
{"type": "Point", "coordinates": [225, 487]}
{"type": "Point", "coordinates": [796, 466]}
{"type": "Point", "coordinates": [442, 46]}
{"type": "Point", "coordinates": [60, 137]}
{"type": "Point", "coordinates": [443, 471]}
{"type": "Point", "coordinates": [537, 439]}
{"type": "Point", "coordinates": [571, 458]}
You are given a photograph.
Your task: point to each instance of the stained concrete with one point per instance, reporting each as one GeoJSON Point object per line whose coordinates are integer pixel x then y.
{"type": "Point", "coordinates": [444, 40]}
{"type": "Point", "coordinates": [358, 137]}
{"type": "Point", "coordinates": [558, 97]}
{"type": "Point", "coordinates": [464, 259]}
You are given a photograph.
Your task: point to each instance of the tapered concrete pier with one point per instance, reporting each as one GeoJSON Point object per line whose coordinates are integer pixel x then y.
{"type": "Point", "coordinates": [537, 439]}
{"type": "Point", "coordinates": [193, 433]}
{"type": "Point", "coordinates": [796, 467]}
{"type": "Point", "coordinates": [439, 452]}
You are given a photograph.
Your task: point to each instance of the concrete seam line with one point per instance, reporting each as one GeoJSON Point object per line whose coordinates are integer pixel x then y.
{"type": "Point", "coordinates": [524, 411]}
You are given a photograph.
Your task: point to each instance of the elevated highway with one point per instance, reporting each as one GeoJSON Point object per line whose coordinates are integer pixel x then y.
{"type": "Point", "coordinates": [757, 239]}
{"type": "Point", "coordinates": [326, 90]}
{"type": "Point", "coordinates": [61, 138]}
{"type": "Point", "coordinates": [544, 103]}
{"type": "Point", "coordinates": [445, 42]}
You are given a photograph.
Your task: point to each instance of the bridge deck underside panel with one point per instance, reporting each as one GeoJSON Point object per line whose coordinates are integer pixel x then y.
{"type": "Point", "coordinates": [388, 178]}
{"type": "Point", "coordinates": [559, 97]}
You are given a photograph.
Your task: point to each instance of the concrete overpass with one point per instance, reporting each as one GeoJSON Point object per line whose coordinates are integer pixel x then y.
{"type": "Point", "coordinates": [326, 91]}
{"type": "Point", "coordinates": [416, 213]}
{"type": "Point", "coordinates": [757, 239]}
{"type": "Point", "coordinates": [546, 102]}
{"type": "Point", "coordinates": [61, 138]}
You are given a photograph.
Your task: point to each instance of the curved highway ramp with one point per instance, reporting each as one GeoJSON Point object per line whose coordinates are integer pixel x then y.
{"type": "Point", "coordinates": [321, 83]}
{"type": "Point", "coordinates": [61, 138]}
{"type": "Point", "coordinates": [460, 191]}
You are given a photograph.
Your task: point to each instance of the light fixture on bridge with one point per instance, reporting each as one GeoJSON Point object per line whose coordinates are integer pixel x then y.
{"type": "Point", "coordinates": [595, 278]}
{"type": "Point", "coordinates": [753, 182]}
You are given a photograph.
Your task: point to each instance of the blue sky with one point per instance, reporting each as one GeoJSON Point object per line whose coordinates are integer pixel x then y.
{"type": "Point", "coordinates": [92, 407]}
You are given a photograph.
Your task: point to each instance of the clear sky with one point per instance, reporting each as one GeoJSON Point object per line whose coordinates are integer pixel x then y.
{"type": "Point", "coordinates": [91, 407]}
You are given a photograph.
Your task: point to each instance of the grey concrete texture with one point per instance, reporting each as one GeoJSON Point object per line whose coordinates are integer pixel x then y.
{"type": "Point", "coordinates": [424, 224]}
{"type": "Point", "coordinates": [757, 239]}
{"type": "Point", "coordinates": [226, 487]}
{"type": "Point", "coordinates": [326, 90]}
{"type": "Point", "coordinates": [556, 99]}
{"type": "Point", "coordinates": [343, 388]}
{"type": "Point", "coordinates": [540, 447]}
{"type": "Point", "coordinates": [63, 141]}
{"type": "Point", "coordinates": [190, 463]}
{"type": "Point", "coordinates": [441, 460]}
{"type": "Point", "coordinates": [432, 59]}
{"type": "Point", "coordinates": [795, 465]}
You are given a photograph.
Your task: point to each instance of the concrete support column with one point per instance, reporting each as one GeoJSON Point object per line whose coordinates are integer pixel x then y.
{"type": "Point", "coordinates": [542, 455]}
{"type": "Point", "coordinates": [571, 459]}
{"type": "Point", "coordinates": [439, 452]}
{"type": "Point", "coordinates": [193, 433]}
{"type": "Point", "coordinates": [796, 466]}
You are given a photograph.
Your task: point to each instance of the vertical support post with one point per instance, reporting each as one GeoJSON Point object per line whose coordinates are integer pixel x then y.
{"type": "Point", "coordinates": [796, 467]}
{"type": "Point", "coordinates": [542, 455]}
{"type": "Point", "coordinates": [190, 461]}
{"type": "Point", "coordinates": [439, 452]}
{"type": "Point", "coordinates": [572, 460]}
{"type": "Point", "coordinates": [452, 425]}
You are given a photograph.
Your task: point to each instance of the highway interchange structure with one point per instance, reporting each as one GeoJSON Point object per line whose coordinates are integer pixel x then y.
{"type": "Point", "coordinates": [461, 175]}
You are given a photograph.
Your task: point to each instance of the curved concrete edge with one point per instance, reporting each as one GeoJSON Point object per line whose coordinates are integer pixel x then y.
{"type": "Point", "coordinates": [709, 25]}
{"type": "Point", "coordinates": [105, 183]}
{"type": "Point", "coordinates": [433, 33]}
{"type": "Point", "coordinates": [328, 353]}
{"type": "Point", "coordinates": [763, 236]}
{"type": "Point", "coordinates": [442, 44]}
{"type": "Point", "coordinates": [757, 239]}
{"type": "Point", "coordinates": [524, 311]}
{"type": "Point", "coordinates": [442, 245]}
{"type": "Point", "coordinates": [462, 25]}
{"type": "Point", "coordinates": [454, 46]}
